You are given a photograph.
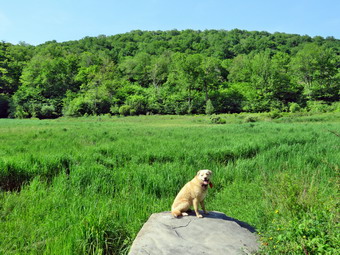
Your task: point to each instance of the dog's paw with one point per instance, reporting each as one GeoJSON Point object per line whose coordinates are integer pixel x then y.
{"type": "Point", "coordinates": [199, 216]}
{"type": "Point", "coordinates": [184, 214]}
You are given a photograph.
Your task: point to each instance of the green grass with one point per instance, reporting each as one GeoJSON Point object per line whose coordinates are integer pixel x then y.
{"type": "Point", "coordinates": [87, 185]}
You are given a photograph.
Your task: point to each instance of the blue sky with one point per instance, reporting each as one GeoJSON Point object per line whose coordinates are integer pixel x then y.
{"type": "Point", "coordinates": [38, 21]}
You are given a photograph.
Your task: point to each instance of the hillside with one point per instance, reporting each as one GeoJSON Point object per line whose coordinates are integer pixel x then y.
{"type": "Point", "coordinates": [169, 72]}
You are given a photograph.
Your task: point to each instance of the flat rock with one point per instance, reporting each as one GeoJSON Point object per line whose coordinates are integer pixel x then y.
{"type": "Point", "coordinates": [215, 234]}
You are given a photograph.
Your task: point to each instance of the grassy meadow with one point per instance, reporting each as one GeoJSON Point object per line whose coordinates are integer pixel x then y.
{"type": "Point", "coordinates": [87, 185]}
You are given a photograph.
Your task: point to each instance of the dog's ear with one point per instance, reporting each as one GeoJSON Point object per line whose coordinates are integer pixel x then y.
{"type": "Point", "coordinates": [198, 173]}
{"type": "Point", "coordinates": [210, 172]}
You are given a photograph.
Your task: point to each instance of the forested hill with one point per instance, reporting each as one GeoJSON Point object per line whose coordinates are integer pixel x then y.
{"type": "Point", "coordinates": [169, 72]}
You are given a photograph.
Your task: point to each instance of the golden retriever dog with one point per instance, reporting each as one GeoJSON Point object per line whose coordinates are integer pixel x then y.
{"type": "Point", "coordinates": [192, 194]}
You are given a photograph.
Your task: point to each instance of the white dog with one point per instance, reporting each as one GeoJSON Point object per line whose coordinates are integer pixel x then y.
{"type": "Point", "coordinates": [192, 194]}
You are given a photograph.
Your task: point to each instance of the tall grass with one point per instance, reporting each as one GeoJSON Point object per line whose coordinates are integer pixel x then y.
{"type": "Point", "coordinates": [86, 186]}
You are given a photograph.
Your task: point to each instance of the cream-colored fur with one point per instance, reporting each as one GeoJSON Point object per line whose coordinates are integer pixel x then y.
{"type": "Point", "coordinates": [192, 194]}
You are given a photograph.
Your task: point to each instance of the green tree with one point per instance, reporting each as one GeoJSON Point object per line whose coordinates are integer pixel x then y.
{"type": "Point", "coordinates": [12, 60]}
{"type": "Point", "coordinates": [211, 76]}
{"type": "Point", "coordinates": [264, 81]}
{"type": "Point", "coordinates": [54, 76]}
{"type": "Point", "coordinates": [159, 70]}
{"type": "Point", "coordinates": [98, 80]}
{"type": "Point", "coordinates": [209, 108]}
{"type": "Point", "coordinates": [186, 74]}
{"type": "Point", "coordinates": [137, 68]}
{"type": "Point", "coordinates": [46, 80]}
{"type": "Point", "coordinates": [173, 71]}
{"type": "Point", "coordinates": [317, 68]}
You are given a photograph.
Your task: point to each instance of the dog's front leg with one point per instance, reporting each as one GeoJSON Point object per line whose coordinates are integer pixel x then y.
{"type": "Point", "coordinates": [196, 203]}
{"type": "Point", "coordinates": [203, 207]}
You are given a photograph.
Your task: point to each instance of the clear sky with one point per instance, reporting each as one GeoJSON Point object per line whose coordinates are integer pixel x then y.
{"type": "Point", "coordinates": [38, 21]}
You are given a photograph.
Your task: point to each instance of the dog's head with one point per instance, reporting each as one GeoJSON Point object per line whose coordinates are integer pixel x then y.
{"type": "Point", "coordinates": [204, 177]}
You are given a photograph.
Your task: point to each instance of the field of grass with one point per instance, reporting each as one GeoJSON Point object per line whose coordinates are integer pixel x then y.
{"type": "Point", "coordinates": [87, 185]}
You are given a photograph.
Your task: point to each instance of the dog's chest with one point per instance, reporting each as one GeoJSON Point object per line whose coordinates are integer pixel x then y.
{"type": "Point", "coordinates": [200, 194]}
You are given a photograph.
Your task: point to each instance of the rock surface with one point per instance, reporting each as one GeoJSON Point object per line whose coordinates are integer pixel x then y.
{"type": "Point", "coordinates": [214, 234]}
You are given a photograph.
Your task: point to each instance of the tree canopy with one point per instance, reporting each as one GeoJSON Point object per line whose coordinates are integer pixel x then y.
{"type": "Point", "coordinates": [168, 72]}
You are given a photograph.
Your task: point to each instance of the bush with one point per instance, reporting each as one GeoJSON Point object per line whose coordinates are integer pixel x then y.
{"type": "Point", "coordinates": [34, 108]}
{"type": "Point", "coordinates": [217, 120]}
{"type": "Point", "coordinates": [275, 114]}
{"type": "Point", "coordinates": [125, 110]}
{"type": "Point", "coordinates": [79, 106]}
{"type": "Point", "coordinates": [138, 103]}
{"type": "Point", "coordinates": [294, 107]}
{"type": "Point", "coordinates": [227, 100]}
{"type": "Point", "coordinates": [336, 107]}
{"type": "Point", "coordinates": [114, 110]}
{"type": "Point", "coordinates": [20, 112]}
{"type": "Point", "coordinates": [47, 112]}
{"type": "Point", "coordinates": [318, 106]}
{"type": "Point", "coordinates": [133, 112]}
{"type": "Point", "coordinates": [209, 108]}
{"type": "Point", "coordinates": [251, 119]}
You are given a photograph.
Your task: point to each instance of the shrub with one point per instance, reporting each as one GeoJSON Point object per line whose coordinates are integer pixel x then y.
{"type": "Point", "coordinates": [209, 108]}
{"type": "Point", "coordinates": [154, 107]}
{"type": "Point", "coordinates": [318, 106]}
{"type": "Point", "coordinates": [47, 111]}
{"type": "Point", "coordinates": [174, 104]}
{"type": "Point", "coordinates": [114, 109]}
{"type": "Point", "coordinates": [251, 119]}
{"type": "Point", "coordinates": [217, 120]}
{"type": "Point", "coordinates": [34, 109]}
{"type": "Point", "coordinates": [227, 100]}
{"type": "Point", "coordinates": [20, 112]}
{"type": "Point", "coordinates": [181, 108]}
{"type": "Point", "coordinates": [275, 114]}
{"type": "Point", "coordinates": [79, 106]}
{"type": "Point", "coordinates": [294, 107]}
{"type": "Point", "coordinates": [125, 110]}
{"type": "Point", "coordinates": [336, 107]}
{"type": "Point", "coordinates": [133, 112]}
{"type": "Point", "coordinates": [138, 103]}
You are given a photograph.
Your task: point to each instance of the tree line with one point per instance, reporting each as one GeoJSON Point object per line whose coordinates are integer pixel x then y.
{"type": "Point", "coordinates": [169, 72]}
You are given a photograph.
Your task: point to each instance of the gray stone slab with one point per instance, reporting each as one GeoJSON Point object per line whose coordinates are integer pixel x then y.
{"type": "Point", "coordinates": [214, 234]}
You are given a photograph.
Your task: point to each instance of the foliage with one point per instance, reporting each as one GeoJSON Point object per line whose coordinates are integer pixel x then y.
{"type": "Point", "coordinates": [48, 111]}
{"type": "Point", "coordinates": [137, 103]}
{"type": "Point", "coordinates": [125, 110]}
{"type": "Point", "coordinates": [294, 107]}
{"type": "Point", "coordinates": [318, 106]}
{"type": "Point", "coordinates": [304, 221]}
{"type": "Point", "coordinates": [170, 72]}
{"type": "Point", "coordinates": [275, 114]}
{"type": "Point", "coordinates": [217, 120]}
{"type": "Point", "coordinates": [209, 108]}
{"type": "Point", "coordinates": [317, 69]}
{"type": "Point", "coordinates": [79, 106]}
{"type": "Point", "coordinates": [250, 119]}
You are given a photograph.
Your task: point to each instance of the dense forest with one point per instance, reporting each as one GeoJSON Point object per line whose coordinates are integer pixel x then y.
{"type": "Point", "coordinates": [169, 72]}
